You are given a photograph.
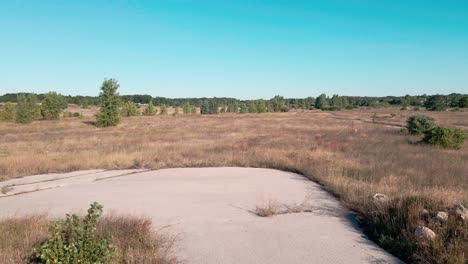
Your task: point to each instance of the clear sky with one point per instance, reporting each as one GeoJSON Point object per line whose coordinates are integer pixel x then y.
{"type": "Point", "coordinates": [235, 48]}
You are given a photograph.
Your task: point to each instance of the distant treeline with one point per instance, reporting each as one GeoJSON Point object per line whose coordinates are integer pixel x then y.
{"type": "Point", "coordinates": [279, 103]}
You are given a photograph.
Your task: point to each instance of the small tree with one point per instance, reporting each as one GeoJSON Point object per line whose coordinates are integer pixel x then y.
{"type": "Point", "coordinates": [186, 108]}
{"type": "Point", "coordinates": [163, 109]}
{"type": "Point", "coordinates": [27, 108]}
{"type": "Point", "coordinates": [109, 104]}
{"type": "Point", "coordinates": [322, 102]}
{"type": "Point", "coordinates": [463, 103]}
{"type": "Point", "coordinates": [52, 105]}
{"type": "Point", "coordinates": [130, 109]}
{"type": "Point", "coordinates": [436, 103]}
{"type": "Point", "coordinates": [8, 112]}
{"type": "Point", "coordinates": [418, 124]}
{"type": "Point", "coordinates": [252, 107]}
{"type": "Point", "coordinates": [150, 109]}
{"type": "Point", "coordinates": [176, 111]}
{"type": "Point", "coordinates": [243, 109]}
{"type": "Point", "coordinates": [193, 109]}
{"type": "Point", "coordinates": [445, 137]}
{"type": "Point", "coordinates": [279, 105]}
{"type": "Point", "coordinates": [261, 107]}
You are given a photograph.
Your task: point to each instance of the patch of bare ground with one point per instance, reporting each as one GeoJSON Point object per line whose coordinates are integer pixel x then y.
{"type": "Point", "coordinates": [353, 153]}
{"type": "Point", "coordinates": [134, 239]}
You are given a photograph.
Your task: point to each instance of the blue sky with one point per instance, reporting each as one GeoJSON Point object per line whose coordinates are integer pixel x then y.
{"type": "Point", "coordinates": [239, 48]}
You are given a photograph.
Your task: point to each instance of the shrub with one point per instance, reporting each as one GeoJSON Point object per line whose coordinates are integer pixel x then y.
{"type": "Point", "coordinates": [76, 114]}
{"type": "Point", "coordinates": [150, 109]}
{"type": "Point", "coordinates": [418, 124]}
{"type": "Point", "coordinates": [186, 108]}
{"type": "Point", "coordinates": [445, 137]}
{"type": "Point", "coordinates": [109, 104]}
{"type": "Point", "coordinates": [75, 241]}
{"type": "Point", "coordinates": [130, 109]}
{"type": "Point", "coordinates": [176, 111]}
{"type": "Point", "coordinates": [193, 109]}
{"type": "Point", "coordinates": [163, 109]}
{"type": "Point", "coordinates": [27, 108]}
{"type": "Point", "coordinates": [7, 112]}
{"type": "Point", "coordinates": [436, 103]}
{"type": "Point", "coordinates": [51, 106]}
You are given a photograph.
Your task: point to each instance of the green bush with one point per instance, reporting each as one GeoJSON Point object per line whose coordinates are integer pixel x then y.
{"type": "Point", "coordinates": [7, 112]}
{"type": "Point", "coordinates": [418, 124]}
{"type": "Point", "coordinates": [75, 241]}
{"type": "Point", "coordinates": [445, 137]}
{"type": "Point", "coordinates": [130, 109]}
{"type": "Point", "coordinates": [27, 108]}
{"type": "Point", "coordinates": [163, 109]}
{"type": "Point", "coordinates": [109, 103]}
{"type": "Point", "coordinates": [52, 105]}
{"type": "Point", "coordinates": [150, 109]}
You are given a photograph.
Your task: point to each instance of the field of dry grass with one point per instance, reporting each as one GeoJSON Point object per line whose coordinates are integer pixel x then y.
{"type": "Point", "coordinates": [354, 154]}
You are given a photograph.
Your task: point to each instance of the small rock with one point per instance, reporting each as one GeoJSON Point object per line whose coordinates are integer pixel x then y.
{"type": "Point", "coordinates": [424, 212]}
{"type": "Point", "coordinates": [442, 217]}
{"type": "Point", "coordinates": [461, 212]}
{"type": "Point", "coordinates": [380, 197]}
{"type": "Point", "coordinates": [423, 232]}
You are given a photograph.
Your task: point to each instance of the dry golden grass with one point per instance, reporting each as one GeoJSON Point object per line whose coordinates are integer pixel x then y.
{"type": "Point", "coordinates": [133, 238]}
{"type": "Point", "coordinates": [354, 154]}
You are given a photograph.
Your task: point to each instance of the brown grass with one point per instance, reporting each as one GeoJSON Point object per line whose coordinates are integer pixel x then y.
{"type": "Point", "coordinates": [354, 154]}
{"type": "Point", "coordinates": [134, 239]}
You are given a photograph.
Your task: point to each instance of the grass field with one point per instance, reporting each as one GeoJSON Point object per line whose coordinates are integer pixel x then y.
{"type": "Point", "coordinates": [354, 154]}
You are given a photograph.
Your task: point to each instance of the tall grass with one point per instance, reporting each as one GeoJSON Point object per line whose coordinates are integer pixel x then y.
{"type": "Point", "coordinates": [354, 154]}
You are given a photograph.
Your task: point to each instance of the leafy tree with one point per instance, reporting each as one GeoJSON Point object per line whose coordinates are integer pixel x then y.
{"type": "Point", "coordinates": [278, 103]}
{"type": "Point", "coordinates": [204, 108]}
{"type": "Point", "coordinates": [322, 102]}
{"type": "Point", "coordinates": [252, 107]}
{"type": "Point", "coordinates": [130, 109]}
{"type": "Point", "coordinates": [261, 106]}
{"type": "Point", "coordinates": [52, 105]}
{"type": "Point", "coordinates": [213, 107]}
{"type": "Point", "coordinates": [163, 109]}
{"type": "Point", "coordinates": [109, 103]}
{"type": "Point", "coordinates": [436, 103]}
{"type": "Point", "coordinates": [233, 107]}
{"type": "Point", "coordinates": [150, 109]}
{"type": "Point", "coordinates": [27, 108]}
{"type": "Point", "coordinates": [418, 124]}
{"type": "Point", "coordinates": [8, 112]}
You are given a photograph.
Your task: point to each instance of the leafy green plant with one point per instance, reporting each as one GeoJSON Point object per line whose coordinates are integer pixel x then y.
{"type": "Point", "coordinates": [163, 109]}
{"type": "Point", "coordinates": [75, 241]}
{"type": "Point", "coordinates": [418, 124]}
{"type": "Point", "coordinates": [445, 137]}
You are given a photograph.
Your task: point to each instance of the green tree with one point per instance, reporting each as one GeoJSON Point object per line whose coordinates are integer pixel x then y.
{"type": "Point", "coordinates": [109, 103]}
{"type": "Point", "coordinates": [186, 108]}
{"type": "Point", "coordinates": [27, 108]}
{"type": "Point", "coordinates": [279, 104]}
{"type": "Point", "coordinates": [233, 107]}
{"type": "Point", "coordinates": [418, 124]}
{"type": "Point", "coordinates": [163, 109]}
{"type": "Point", "coordinates": [193, 109]}
{"type": "Point", "coordinates": [436, 103]}
{"type": "Point", "coordinates": [322, 102]}
{"type": "Point", "coordinates": [8, 112]}
{"type": "Point", "coordinates": [52, 105]}
{"type": "Point", "coordinates": [252, 107]}
{"type": "Point", "coordinates": [129, 108]}
{"type": "Point", "coordinates": [150, 109]}
{"type": "Point", "coordinates": [243, 109]}
{"type": "Point", "coordinates": [261, 106]}
{"type": "Point", "coordinates": [463, 103]}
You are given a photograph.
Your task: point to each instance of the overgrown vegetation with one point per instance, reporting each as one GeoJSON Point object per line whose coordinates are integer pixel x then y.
{"type": "Point", "coordinates": [75, 241]}
{"type": "Point", "coordinates": [445, 137]}
{"type": "Point", "coordinates": [418, 124]}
